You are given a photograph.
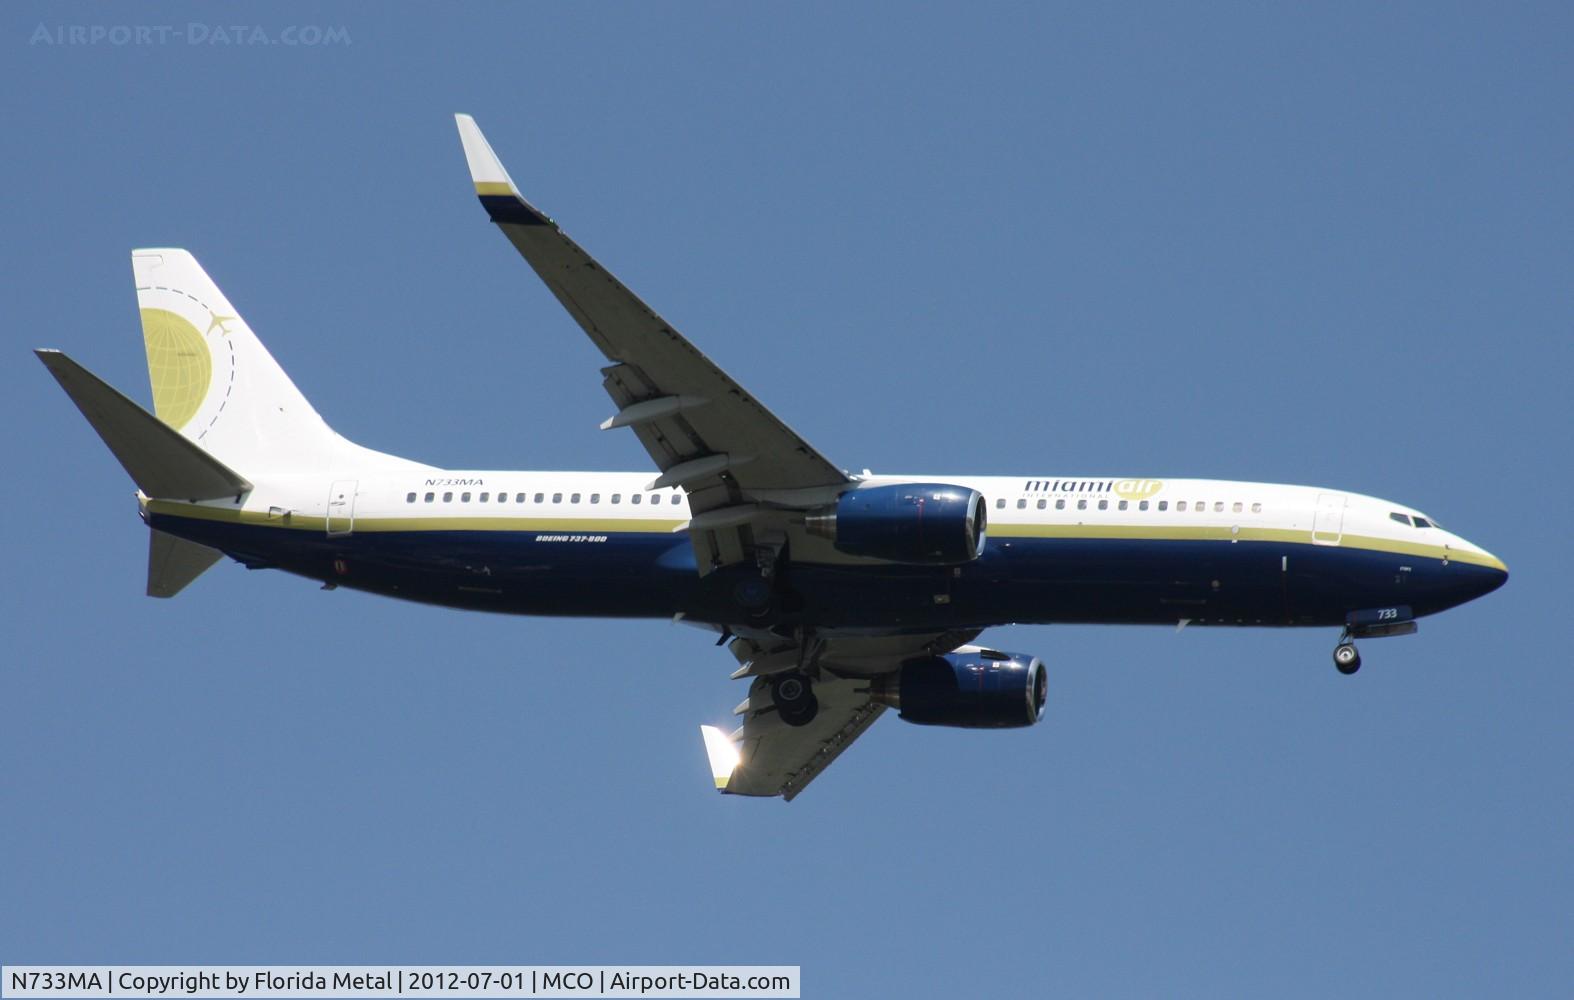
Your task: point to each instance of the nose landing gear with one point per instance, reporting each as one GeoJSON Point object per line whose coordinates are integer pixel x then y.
{"type": "Point", "coordinates": [1347, 659]}
{"type": "Point", "coordinates": [1373, 623]}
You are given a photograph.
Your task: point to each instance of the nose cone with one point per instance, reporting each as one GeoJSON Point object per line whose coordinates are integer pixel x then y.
{"type": "Point", "coordinates": [1484, 573]}
{"type": "Point", "coordinates": [1499, 574]}
{"type": "Point", "coordinates": [1496, 577]}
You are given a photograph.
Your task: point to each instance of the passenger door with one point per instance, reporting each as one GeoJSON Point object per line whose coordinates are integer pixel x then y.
{"type": "Point", "coordinates": [341, 507]}
{"type": "Point", "coordinates": [1328, 524]}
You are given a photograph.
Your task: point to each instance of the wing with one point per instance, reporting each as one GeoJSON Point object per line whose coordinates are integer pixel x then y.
{"type": "Point", "coordinates": [746, 473]}
{"type": "Point", "coordinates": [702, 429]}
{"type": "Point", "coordinates": [766, 756]}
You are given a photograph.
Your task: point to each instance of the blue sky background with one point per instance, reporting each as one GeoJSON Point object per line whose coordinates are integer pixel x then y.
{"type": "Point", "coordinates": [1319, 244]}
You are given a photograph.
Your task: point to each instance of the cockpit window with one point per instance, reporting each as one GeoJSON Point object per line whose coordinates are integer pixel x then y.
{"type": "Point", "coordinates": [1401, 518]}
{"type": "Point", "coordinates": [1422, 522]}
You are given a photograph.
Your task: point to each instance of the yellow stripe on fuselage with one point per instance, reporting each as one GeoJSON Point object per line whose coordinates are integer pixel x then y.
{"type": "Point", "coordinates": [605, 525]}
{"type": "Point", "coordinates": [1424, 551]}
{"type": "Point", "coordinates": [1147, 532]}
{"type": "Point", "coordinates": [298, 522]}
{"type": "Point", "coordinates": [1222, 533]}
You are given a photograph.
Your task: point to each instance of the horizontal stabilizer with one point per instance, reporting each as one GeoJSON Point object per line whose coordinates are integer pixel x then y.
{"type": "Point", "coordinates": [161, 461]}
{"type": "Point", "coordinates": [174, 562]}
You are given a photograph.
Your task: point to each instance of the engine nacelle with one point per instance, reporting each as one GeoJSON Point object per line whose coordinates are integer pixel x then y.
{"type": "Point", "coordinates": [971, 688]}
{"type": "Point", "coordinates": [922, 523]}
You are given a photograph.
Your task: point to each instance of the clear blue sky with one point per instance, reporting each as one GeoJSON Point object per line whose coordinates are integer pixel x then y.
{"type": "Point", "coordinates": [1313, 243]}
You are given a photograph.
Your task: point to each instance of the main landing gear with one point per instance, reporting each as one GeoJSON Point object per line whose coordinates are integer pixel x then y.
{"type": "Point", "coordinates": [793, 695]}
{"type": "Point", "coordinates": [792, 691]}
{"type": "Point", "coordinates": [1347, 659]}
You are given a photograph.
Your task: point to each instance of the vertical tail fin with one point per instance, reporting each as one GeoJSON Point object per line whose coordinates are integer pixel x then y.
{"type": "Point", "coordinates": [214, 382]}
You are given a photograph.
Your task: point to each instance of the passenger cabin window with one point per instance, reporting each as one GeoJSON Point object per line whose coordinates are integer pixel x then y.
{"type": "Point", "coordinates": [1103, 505]}
{"type": "Point", "coordinates": [636, 497]}
{"type": "Point", "coordinates": [676, 499]}
{"type": "Point", "coordinates": [1237, 508]}
{"type": "Point", "coordinates": [595, 498]}
{"type": "Point", "coordinates": [1218, 506]}
{"type": "Point", "coordinates": [1000, 504]}
{"type": "Point", "coordinates": [483, 498]}
{"type": "Point", "coordinates": [1142, 505]}
{"type": "Point", "coordinates": [464, 497]}
{"type": "Point", "coordinates": [409, 498]}
{"type": "Point", "coordinates": [1165, 505]}
{"type": "Point", "coordinates": [1082, 504]}
{"type": "Point", "coordinates": [557, 498]}
{"type": "Point", "coordinates": [1123, 505]}
{"type": "Point", "coordinates": [503, 497]}
{"type": "Point", "coordinates": [1021, 504]}
{"type": "Point", "coordinates": [1042, 504]}
{"type": "Point", "coordinates": [1181, 505]}
{"type": "Point", "coordinates": [574, 498]}
{"type": "Point", "coordinates": [1060, 504]}
{"type": "Point", "coordinates": [430, 497]}
{"type": "Point", "coordinates": [539, 497]}
{"type": "Point", "coordinates": [448, 497]}
{"type": "Point", "coordinates": [1401, 518]}
{"type": "Point", "coordinates": [1256, 508]}
{"type": "Point", "coordinates": [1200, 506]}
{"type": "Point", "coordinates": [617, 498]}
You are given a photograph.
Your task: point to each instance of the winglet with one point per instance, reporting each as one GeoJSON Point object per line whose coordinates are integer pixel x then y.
{"type": "Point", "coordinates": [499, 197]}
{"type": "Point", "coordinates": [723, 755]}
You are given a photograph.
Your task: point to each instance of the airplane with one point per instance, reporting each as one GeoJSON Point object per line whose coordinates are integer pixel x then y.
{"type": "Point", "coordinates": [839, 595]}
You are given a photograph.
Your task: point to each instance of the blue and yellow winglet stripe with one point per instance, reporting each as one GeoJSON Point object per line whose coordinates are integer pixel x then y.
{"type": "Point", "coordinates": [502, 201]}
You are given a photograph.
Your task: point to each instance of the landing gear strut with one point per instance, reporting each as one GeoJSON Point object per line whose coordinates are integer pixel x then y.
{"type": "Point", "coordinates": [794, 697]}
{"type": "Point", "coordinates": [1373, 623]}
{"type": "Point", "coordinates": [1347, 659]}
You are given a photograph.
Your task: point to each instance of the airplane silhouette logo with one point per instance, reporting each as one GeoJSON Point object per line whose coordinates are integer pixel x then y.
{"type": "Point", "coordinates": [218, 321]}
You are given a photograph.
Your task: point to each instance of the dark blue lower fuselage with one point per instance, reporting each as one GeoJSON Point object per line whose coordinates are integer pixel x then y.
{"type": "Point", "coordinates": [1026, 580]}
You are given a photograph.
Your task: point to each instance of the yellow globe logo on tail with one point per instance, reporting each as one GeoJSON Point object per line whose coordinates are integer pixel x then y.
{"type": "Point", "coordinates": [179, 366]}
